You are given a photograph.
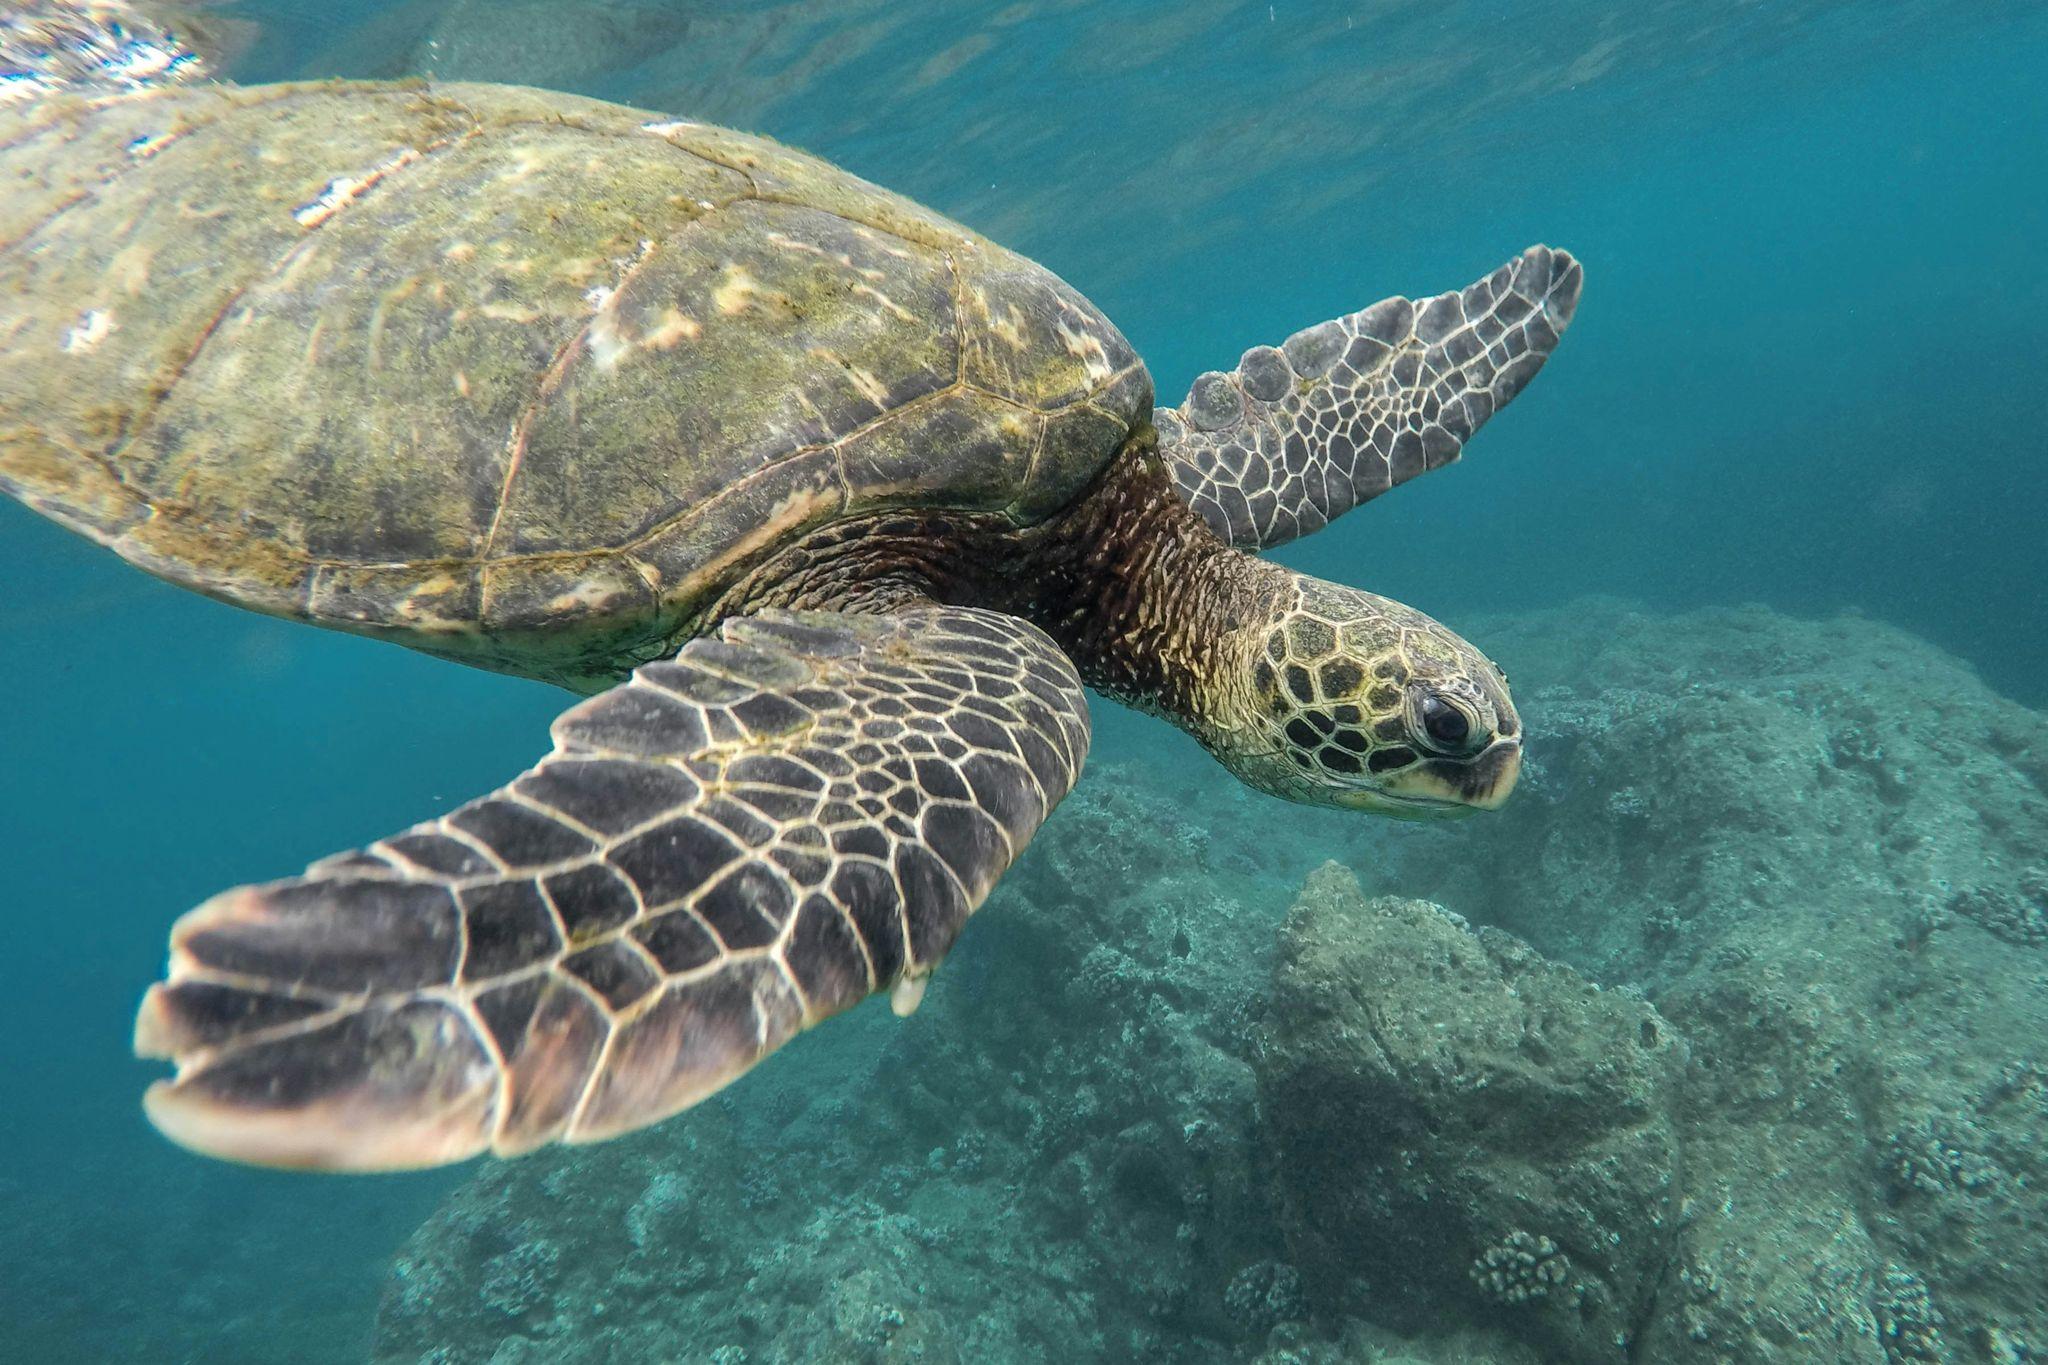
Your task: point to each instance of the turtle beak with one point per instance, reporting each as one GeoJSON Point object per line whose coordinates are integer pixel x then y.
{"type": "Point", "coordinates": [1491, 779]}
{"type": "Point", "coordinates": [1448, 787]}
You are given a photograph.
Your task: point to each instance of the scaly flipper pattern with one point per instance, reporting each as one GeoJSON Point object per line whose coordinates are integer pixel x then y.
{"type": "Point", "coordinates": [719, 853]}
{"type": "Point", "coordinates": [1301, 433]}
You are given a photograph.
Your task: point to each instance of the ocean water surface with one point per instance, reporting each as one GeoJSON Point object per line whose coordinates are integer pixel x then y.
{"type": "Point", "coordinates": [1763, 549]}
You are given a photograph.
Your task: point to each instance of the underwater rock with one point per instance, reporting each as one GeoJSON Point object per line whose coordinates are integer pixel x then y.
{"type": "Point", "coordinates": [1459, 1124]}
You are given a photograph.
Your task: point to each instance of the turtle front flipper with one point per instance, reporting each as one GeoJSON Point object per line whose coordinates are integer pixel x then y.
{"type": "Point", "coordinates": [1302, 432]}
{"type": "Point", "coordinates": [719, 853]}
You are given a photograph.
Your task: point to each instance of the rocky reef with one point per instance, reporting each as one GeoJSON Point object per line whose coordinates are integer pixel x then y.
{"type": "Point", "coordinates": [1723, 1043]}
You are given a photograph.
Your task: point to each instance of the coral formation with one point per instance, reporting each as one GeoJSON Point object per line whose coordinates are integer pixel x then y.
{"type": "Point", "coordinates": [1519, 1268]}
{"type": "Point", "coordinates": [2013, 915]}
{"type": "Point", "coordinates": [1716, 1045]}
{"type": "Point", "coordinates": [1907, 1321]}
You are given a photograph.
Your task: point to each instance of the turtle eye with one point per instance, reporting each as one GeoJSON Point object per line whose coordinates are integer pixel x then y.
{"type": "Point", "coordinates": [1448, 727]}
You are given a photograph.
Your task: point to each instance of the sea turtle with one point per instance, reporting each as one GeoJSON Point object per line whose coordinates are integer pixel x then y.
{"type": "Point", "coordinates": [833, 504]}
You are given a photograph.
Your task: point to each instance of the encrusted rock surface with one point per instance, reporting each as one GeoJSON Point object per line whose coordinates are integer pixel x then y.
{"type": "Point", "coordinates": [1736, 1055]}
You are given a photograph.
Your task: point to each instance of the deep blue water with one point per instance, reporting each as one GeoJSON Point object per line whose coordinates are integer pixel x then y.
{"type": "Point", "coordinates": [1809, 370]}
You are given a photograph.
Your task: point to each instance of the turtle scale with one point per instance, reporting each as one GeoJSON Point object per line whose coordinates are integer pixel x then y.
{"type": "Point", "coordinates": [512, 376]}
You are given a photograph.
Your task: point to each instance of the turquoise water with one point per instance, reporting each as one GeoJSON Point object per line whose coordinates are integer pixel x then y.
{"type": "Point", "coordinates": [1807, 372]}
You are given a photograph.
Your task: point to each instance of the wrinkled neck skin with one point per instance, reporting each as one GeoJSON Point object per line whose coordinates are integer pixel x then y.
{"type": "Point", "coordinates": [1152, 606]}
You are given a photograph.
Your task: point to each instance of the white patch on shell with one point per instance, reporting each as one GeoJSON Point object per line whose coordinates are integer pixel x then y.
{"type": "Point", "coordinates": [734, 294]}
{"type": "Point", "coordinates": [582, 598]}
{"type": "Point", "coordinates": [345, 190]}
{"type": "Point", "coordinates": [606, 343]}
{"type": "Point", "coordinates": [423, 606]}
{"type": "Point", "coordinates": [18, 87]}
{"type": "Point", "coordinates": [146, 62]}
{"type": "Point", "coordinates": [845, 262]}
{"type": "Point", "coordinates": [1007, 326]}
{"type": "Point", "coordinates": [86, 46]}
{"type": "Point", "coordinates": [738, 292]}
{"type": "Point", "coordinates": [887, 248]}
{"type": "Point", "coordinates": [129, 270]}
{"type": "Point", "coordinates": [1088, 349]}
{"type": "Point", "coordinates": [675, 326]}
{"type": "Point", "coordinates": [523, 166]}
{"type": "Point", "coordinates": [667, 127]}
{"type": "Point", "coordinates": [788, 243]}
{"type": "Point", "coordinates": [149, 144]}
{"type": "Point", "coordinates": [872, 388]}
{"type": "Point", "coordinates": [500, 311]}
{"type": "Point", "coordinates": [888, 304]}
{"type": "Point", "coordinates": [89, 331]}
{"type": "Point", "coordinates": [811, 410]}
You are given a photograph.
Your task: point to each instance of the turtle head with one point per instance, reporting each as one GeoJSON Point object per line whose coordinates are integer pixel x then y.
{"type": "Point", "coordinates": [1347, 699]}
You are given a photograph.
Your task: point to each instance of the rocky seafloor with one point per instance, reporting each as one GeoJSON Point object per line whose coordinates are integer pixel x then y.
{"type": "Point", "coordinates": [1726, 1041]}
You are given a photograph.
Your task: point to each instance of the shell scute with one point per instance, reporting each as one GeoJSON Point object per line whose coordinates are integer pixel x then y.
{"type": "Point", "coordinates": [800, 335]}
{"type": "Point", "coordinates": [1033, 340]}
